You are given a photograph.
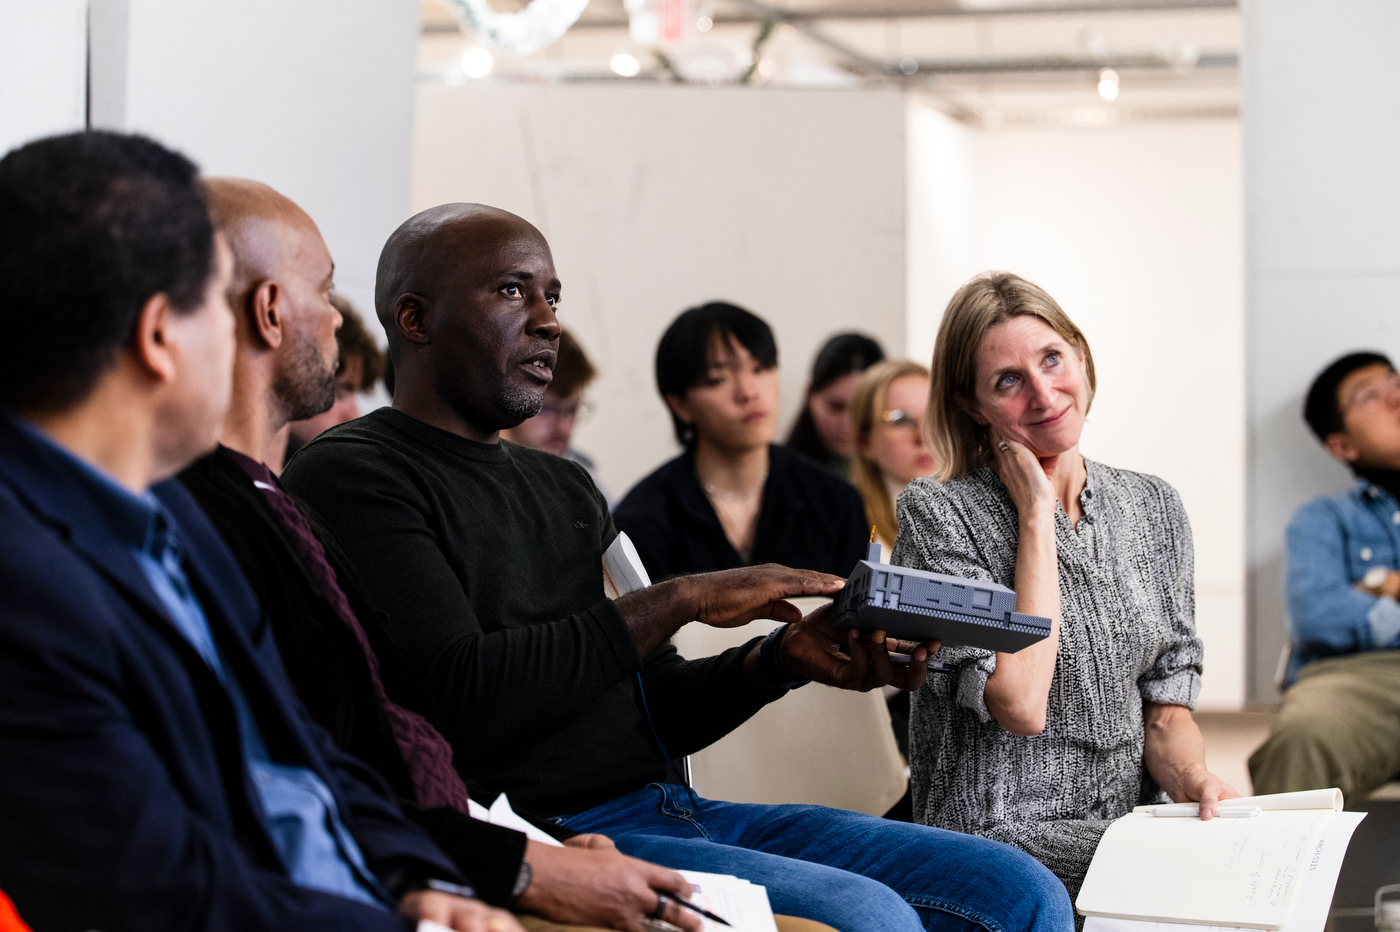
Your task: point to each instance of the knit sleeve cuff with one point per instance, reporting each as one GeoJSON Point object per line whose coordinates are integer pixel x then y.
{"type": "Point", "coordinates": [1179, 688]}
{"type": "Point", "coordinates": [1384, 618]}
{"type": "Point", "coordinates": [975, 668]}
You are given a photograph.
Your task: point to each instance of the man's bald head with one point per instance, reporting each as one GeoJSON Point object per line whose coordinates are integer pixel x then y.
{"type": "Point", "coordinates": [466, 294]}
{"type": "Point", "coordinates": [258, 222]}
{"type": "Point", "coordinates": [282, 279]}
{"type": "Point", "coordinates": [428, 246]}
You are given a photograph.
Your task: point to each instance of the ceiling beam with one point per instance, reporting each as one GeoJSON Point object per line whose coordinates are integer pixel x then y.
{"type": "Point", "coordinates": [1056, 64]}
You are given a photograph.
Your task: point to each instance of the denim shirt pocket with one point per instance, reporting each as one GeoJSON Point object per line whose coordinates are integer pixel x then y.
{"type": "Point", "coordinates": [1373, 543]}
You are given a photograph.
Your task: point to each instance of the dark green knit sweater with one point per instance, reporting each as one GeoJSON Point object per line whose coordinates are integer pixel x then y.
{"type": "Point", "coordinates": [488, 560]}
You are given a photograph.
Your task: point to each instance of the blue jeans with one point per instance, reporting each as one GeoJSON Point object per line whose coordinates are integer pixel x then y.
{"type": "Point", "coordinates": [852, 871]}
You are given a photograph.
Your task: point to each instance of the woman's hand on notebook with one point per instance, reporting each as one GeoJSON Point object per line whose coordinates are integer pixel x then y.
{"type": "Point", "coordinates": [1175, 755]}
{"type": "Point", "coordinates": [1208, 790]}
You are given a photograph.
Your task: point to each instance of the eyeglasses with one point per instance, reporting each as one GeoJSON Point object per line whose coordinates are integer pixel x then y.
{"type": "Point", "coordinates": [1375, 392]}
{"type": "Point", "coordinates": [907, 420]}
{"type": "Point", "coordinates": [566, 410]}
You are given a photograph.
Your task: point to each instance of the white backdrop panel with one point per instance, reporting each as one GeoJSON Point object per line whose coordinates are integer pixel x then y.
{"type": "Point", "coordinates": [1322, 139]}
{"type": "Point", "coordinates": [1138, 232]}
{"type": "Point", "coordinates": [790, 203]}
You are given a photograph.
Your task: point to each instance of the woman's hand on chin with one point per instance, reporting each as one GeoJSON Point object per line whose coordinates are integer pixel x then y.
{"type": "Point", "coordinates": [1205, 788]}
{"type": "Point", "coordinates": [1024, 477]}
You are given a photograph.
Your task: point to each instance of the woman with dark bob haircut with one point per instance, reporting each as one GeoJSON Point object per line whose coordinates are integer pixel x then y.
{"type": "Point", "coordinates": [732, 497]}
{"type": "Point", "coordinates": [823, 428]}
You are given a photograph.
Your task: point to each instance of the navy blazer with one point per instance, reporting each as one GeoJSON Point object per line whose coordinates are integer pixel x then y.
{"type": "Point", "coordinates": [125, 800]}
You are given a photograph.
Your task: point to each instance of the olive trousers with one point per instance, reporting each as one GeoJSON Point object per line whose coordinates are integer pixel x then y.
{"type": "Point", "coordinates": [1339, 726]}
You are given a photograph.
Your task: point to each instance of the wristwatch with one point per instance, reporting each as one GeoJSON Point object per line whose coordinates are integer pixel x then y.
{"type": "Point", "coordinates": [522, 881]}
{"type": "Point", "coordinates": [1374, 580]}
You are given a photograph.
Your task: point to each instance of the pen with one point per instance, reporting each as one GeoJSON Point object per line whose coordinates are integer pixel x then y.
{"type": "Point", "coordinates": [671, 897]}
{"type": "Point", "coordinates": [1193, 811]}
{"type": "Point", "coordinates": [902, 658]}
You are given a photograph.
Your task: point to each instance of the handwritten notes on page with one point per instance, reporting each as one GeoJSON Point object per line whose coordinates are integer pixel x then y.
{"type": "Point", "coordinates": [1225, 872]}
{"type": "Point", "coordinates": [1310, 908]}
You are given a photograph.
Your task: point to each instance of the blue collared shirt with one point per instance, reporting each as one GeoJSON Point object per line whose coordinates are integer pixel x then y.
{"type": "Point", "coordinates": [305, 824]}
{"type": "Point", "coordinates": [1332, 542]}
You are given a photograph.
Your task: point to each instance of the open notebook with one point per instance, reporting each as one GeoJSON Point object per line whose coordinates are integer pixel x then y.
{"type": "Point", "coordinates": [1243, 873]}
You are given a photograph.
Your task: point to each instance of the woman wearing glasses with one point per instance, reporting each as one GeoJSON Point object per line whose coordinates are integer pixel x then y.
{"type": "Point", "coordinates": [1044, 747]}
{"type": "Point", "coordinates": [887, 412]}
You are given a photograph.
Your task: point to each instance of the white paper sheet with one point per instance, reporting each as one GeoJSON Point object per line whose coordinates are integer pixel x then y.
{"type": "Point", "coordinates": [501, 814]}
{"type": "Point", "coordinates": [742, 904]}
{"type": "Point", "coordinates": [623, 571]}
{"type": "Point", "coordinates": [1314, 902]}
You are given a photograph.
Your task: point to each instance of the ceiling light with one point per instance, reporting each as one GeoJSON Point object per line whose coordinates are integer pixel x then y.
{"type": "Point", "coordinates": [477, 63]}
{"type": "Point", "coordinates": [625, 65]}
{"type": "Point", "coordinates": [1108, 84]}
{"type": "Point", "coordinates": [704, 24]}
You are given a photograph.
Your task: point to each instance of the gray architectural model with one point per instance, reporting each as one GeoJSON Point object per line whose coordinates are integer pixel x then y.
{"type": "Point", "coordinates": [917, 605]}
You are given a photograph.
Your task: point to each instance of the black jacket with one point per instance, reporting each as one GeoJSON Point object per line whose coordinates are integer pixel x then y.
{"type": "Point", "coordinates": [125, 799]}
{"type": "Point", "coordinates": [327, 666]}
{"type": "Point", "coordinates": [809, 519]}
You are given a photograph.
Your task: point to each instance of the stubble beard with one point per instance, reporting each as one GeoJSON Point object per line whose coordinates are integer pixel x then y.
{"type": "Point", "coordinates": [519, 402]}
{"type": "Point", "coordinates": [306, 385]}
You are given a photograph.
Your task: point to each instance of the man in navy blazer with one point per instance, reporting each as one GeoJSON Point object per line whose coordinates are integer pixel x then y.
{"type": "Point", "coordinates": [156, 770]}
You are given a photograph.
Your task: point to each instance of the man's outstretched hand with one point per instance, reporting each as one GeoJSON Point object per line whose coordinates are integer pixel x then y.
{"type": "Point", "coordinates": [731, 598]}
{"type": "Point", "coordinates": [809, 650]}
{"type": "Point", "coordinates": [725, 599]}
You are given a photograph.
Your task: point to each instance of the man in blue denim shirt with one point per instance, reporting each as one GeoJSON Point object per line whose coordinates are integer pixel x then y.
{"type": "Point", "coordinates": [1340, 721]}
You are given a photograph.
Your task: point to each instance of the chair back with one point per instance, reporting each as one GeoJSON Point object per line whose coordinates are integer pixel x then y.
{"type": "Point", "coordinates": [830, 747]}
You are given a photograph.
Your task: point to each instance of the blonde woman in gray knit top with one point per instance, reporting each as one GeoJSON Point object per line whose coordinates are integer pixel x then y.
{"type": "Point", "coordinates": [1043, 748]}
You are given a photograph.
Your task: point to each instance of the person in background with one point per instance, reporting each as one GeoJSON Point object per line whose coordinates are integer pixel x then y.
{"type": "Point", "coordinates": [1106, 554]}
{"type": "Point", "coordinates": [823, 428]}
{"type": "Point", "coordinates": [733, 498]}
{"type": "Point", "coordinates": [887, 416]}
{"type": "Point", "coordinates": [1340, 720]}
{"type": "Point", "coordinates": [552, 430]}
{"type": "Point", "coordinates": [359, 365]}
{"type": "Point", "coordinates": [488, 558]}
{"type": "Point", "coordinates": [156, 770]}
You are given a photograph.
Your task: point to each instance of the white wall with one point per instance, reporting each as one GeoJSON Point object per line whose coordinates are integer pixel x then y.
{"type": "Point", "coordinates": [43, 69]}
{"type": "Point", "coordinates": [1137, 231]}
{"type": "Point", "coordinates": [313, 97]}
{"type": "Point", "coordinates": [790, 203]}
{"type": "Point", "coordinates": [1322, 142]}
